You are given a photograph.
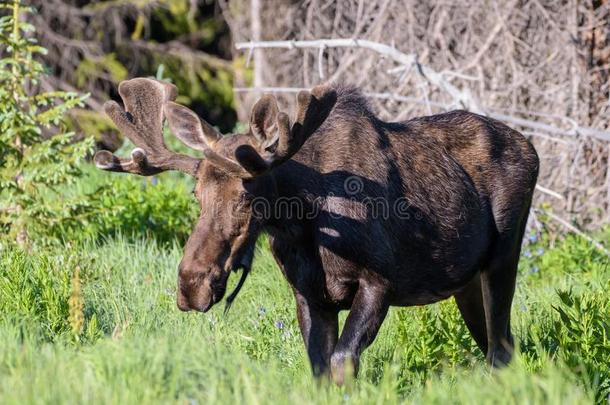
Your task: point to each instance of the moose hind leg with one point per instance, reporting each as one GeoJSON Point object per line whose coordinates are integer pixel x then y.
{"type": "Point", "coordinates": [470, 303]}
{"type": "Point", "coordinates": [367, 313]}
{"type": "Point", "coordinates": [498, 285]}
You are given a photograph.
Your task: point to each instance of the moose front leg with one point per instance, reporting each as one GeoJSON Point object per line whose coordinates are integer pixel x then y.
{"type": "Point", "coordinates": [318, 322]}
{"type": "Point", "coordinates": [368, 311]}
{"type": "Point", "coordinates": [319, 327]}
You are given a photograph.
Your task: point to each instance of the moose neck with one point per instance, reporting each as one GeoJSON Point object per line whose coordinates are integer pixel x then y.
{"type": "Point", "coordinates": [291, 206]}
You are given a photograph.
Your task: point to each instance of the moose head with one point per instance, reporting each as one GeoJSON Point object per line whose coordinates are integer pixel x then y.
{"type": "Point", "coordinates": [235, 170]}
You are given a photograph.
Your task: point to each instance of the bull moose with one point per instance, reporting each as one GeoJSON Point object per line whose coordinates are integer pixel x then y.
{"type": "Point", "coordinates": [458, 187]}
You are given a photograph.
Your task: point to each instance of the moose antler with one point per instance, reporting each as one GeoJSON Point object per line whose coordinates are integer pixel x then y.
{"type": "Point", "coordinates": [277, 141]}
{"type": "Point", "coordinates": [142, 123]}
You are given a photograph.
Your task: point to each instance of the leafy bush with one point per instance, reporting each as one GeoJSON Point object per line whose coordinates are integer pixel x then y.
{"type": "Point", "coordinates": [36, 154]}
{"type": "Point", "coordinates": [583, 334]}
{"type": "Point", "coordinates": [135, 207]}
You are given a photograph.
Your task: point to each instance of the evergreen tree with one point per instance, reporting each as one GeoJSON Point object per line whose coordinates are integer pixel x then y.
{"type": "Point", "coordinates": [38, 157]}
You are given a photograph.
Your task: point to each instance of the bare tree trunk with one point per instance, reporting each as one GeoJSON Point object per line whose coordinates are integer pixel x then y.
{"type": "Point", "coordinates": [255, 27]}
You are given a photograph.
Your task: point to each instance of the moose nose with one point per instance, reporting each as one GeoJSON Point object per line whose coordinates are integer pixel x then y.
{"type": "Point", "coordinates": [182, 301]}
{"type": "Point", "coordinates": [182, 295]}
{"type": "Point", "coordinates": [193, 294]}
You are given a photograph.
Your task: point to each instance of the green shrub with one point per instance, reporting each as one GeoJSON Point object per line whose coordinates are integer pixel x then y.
{"type": "Point", "coordinates": [161, 209]}
{"type": "Point", "coordinates": [582, 331]}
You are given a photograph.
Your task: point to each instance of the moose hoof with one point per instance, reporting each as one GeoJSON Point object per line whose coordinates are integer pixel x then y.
{"type": "Point", "coordinates": [343, 367]}
{"type": "Point", "coordinates": [499, 358]}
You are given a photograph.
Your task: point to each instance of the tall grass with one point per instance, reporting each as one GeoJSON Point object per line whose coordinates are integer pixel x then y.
{"type": "Point", "coordinates": [134, 346]}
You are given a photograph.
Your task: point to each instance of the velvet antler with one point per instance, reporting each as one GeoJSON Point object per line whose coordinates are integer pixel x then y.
{"type": "Point", "coordinates": [142, 123]}
{"type": "Point", "coordinates": [274, 139]}
{"type": "Point", "coordinates": [277, 141]}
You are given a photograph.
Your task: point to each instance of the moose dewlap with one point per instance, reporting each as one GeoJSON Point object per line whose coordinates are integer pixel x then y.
{"type": "Point", "coordinates": [361, 214]}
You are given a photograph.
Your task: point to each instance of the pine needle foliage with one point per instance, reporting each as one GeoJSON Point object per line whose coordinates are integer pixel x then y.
{"type": "Point", "coordinates": [38, 156]}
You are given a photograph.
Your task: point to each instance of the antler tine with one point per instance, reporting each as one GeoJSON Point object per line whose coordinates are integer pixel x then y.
{"type": "Point", "coordinates": [142, 123]}
{"type": "Point", "coordinates": [312, 110]}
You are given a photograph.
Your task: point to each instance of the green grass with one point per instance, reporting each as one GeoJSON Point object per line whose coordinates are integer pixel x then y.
{"type": "Point", "coordinates": [136, 347]}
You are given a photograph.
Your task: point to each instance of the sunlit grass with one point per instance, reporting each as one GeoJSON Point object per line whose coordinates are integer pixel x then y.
{"type": "Point", "coordinates": [136, 347]}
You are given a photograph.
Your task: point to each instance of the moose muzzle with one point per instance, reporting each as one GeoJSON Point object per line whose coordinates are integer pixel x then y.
{"type": "Point", "coordinates": [199, 290]}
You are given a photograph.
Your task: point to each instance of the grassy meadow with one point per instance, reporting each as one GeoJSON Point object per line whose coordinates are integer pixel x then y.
{"type": "Point", "coordinates": [93, 319]}
{"type": "Point", "coordinates": [88, 259]}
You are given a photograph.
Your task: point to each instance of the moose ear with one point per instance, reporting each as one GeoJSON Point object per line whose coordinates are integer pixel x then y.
{"type": "Point", "coordinates": [250, 160]}
{"type": "Point", "coordinates": [263, 120]}
{"type": "Point", "coordinates": [189, 128]}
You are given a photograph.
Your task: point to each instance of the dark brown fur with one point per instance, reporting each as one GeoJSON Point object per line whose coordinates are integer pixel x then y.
{"type": "Point", "coordinates": [468, 181]}
{"type": "Point", "coordinates": [464, 183]}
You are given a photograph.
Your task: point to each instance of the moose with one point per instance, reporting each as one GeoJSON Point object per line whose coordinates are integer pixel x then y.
{"type": "Point", "coordinates": [459, 187]}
